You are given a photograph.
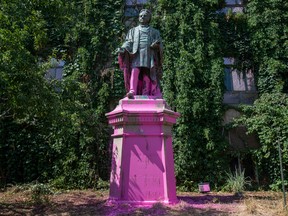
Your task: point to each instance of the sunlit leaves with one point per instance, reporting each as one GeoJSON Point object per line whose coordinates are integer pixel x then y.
{"type": "Point", "coordinates": [268, 118]}
{"type": "Point", "coordinates": [193, 79]}
{"type": "Point", "coordinates": [267, 20]}
{"type": "Point", "coordinates": [56, 130]}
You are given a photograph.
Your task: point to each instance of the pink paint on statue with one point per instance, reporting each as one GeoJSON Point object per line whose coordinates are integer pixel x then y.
{"type": "Point", "coordinates": [142, 160]}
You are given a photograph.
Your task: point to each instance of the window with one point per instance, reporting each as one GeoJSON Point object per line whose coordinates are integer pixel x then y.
{"type": "Point", "coordinates": [56, 71]}
{"type": "Point", "coordinates": [135, 2]}
{"type": "Point", "coordinates": [234, 2]}
{"type": "Point", "coordinates": [132, 7]}
{"type": "Point", "coordinates": [236, 80]}
{"type": "Point", "coordinates": [236, 6]}
{"type": "Point", "coordinates": [228, 79]}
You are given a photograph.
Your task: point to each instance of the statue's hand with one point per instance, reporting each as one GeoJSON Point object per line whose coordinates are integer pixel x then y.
{"type": "Point", "coordinates": [155, 44]}
{"type": "Point", "coordinates": [120, 50]}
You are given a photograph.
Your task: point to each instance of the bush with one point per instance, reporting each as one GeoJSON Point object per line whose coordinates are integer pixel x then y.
{"type": "Point", "coordinates": [236, 182]}
{"type": "Point", "coordinates": [40, 193]}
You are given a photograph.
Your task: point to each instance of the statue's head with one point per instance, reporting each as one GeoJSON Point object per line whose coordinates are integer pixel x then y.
{"type": "Point", "coordinates": [145, 16]}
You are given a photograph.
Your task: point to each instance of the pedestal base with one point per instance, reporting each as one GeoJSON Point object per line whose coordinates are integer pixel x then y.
{"type": "Point", "coordinates": [142, 159]}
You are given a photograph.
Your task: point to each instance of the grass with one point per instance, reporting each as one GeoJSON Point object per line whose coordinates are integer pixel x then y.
{"type": "Point", "coordinates": [263, 203]}
{"type": "Point", "coordinates": [15, 201]}
{"type": "Point", "coordinates": [236, 182]}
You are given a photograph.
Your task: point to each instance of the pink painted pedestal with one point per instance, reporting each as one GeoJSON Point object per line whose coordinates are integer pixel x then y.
{"type": "Point", "coordinates": [142, 159]}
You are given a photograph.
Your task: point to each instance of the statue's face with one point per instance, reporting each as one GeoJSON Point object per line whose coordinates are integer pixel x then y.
{"type": "Point", "coordinates": [144, 18]}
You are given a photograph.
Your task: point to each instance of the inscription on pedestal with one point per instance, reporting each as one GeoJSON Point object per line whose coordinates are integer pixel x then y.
{"type": "Point", "coordinates": [146, 169]}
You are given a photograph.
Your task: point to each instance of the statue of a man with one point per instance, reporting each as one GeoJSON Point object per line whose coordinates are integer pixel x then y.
{"type": "Point", "coordinates": [140, 57]}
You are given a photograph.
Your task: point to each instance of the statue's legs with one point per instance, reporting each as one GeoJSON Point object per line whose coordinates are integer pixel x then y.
{"type": "Point", "coordinates": [155, 89]}
{"type": "Point", "coordinates": [145, 83]}
{"type": "Point", "coordinates": [146, 88]}
{"type": "Point", "coordinates": [133, 82]}
{"type": "Point", "coordinates": [127, 76]}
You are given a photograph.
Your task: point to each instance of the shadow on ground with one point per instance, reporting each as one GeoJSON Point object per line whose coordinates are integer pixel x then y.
{"type": "Point", "coordinates": [204, 199]}
{"type": "Point", "coordinates": [84, 204]}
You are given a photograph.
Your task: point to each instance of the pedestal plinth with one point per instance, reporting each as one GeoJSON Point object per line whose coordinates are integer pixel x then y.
{"type": "Point", "coordinates": [142, 157]}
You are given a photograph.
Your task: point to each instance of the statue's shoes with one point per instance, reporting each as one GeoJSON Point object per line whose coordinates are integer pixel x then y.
{"type": "Point", "coordinates": [130, 95]}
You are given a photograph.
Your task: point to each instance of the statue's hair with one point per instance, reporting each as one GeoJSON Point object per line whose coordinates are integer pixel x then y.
{"type": "Point", "coordinates": [146, 11]}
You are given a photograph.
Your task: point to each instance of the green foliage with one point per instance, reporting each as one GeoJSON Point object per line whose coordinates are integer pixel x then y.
{"type": "Point", "coordinates": [236, 39]}
{"type": "Point", "coordinates": [86, 92]}
{"type": "Point", "coordinates": [268, 118]}
{"type": "Point", "coordinates": [267, 21]}
{"type": "Point", "coordinates": [26, 98]}
{"type": "Point", "coordinates": [102, 185]}
{"type": "Point", "coordinates": [56, 131]}
{"type": "Point", "coordinates": [236, 182]}
{"type": "Point", "coordinates": [36, 192]}
{"type": "Point", "coordinates": [40, 193]}
{"type": "Point", "coordinates": [258, 40]}
{"type": "Point", "coordinates": [193, 86]}
{"type": "Point", "coordinates": [188, 186]}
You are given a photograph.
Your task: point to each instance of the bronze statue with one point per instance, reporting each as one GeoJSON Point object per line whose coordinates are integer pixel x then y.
{"type": "Point", "coordinates": [140, 57]}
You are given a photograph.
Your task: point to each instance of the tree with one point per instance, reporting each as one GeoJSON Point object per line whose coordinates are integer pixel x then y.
{"type": "Point", "coordinates": [268, 118]}
{"type": "Point", "coordinates": [26, 98]}
{"type": "Point", "coordinates": [56, 131]}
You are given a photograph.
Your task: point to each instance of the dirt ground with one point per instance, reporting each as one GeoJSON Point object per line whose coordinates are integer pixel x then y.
{"type": "Point", "coordinates": [89, 202]}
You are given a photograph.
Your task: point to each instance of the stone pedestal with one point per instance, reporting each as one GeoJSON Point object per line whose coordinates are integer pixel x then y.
{"type": "Point", "coordinates": [142, 157]}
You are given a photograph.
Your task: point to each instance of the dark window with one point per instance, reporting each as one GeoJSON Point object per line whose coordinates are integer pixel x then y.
{"type": "Point", "coordinates": [228, 79]}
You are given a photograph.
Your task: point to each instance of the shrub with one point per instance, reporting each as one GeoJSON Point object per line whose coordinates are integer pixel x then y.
{"type": "Point", "coordinates": [236, 182]}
